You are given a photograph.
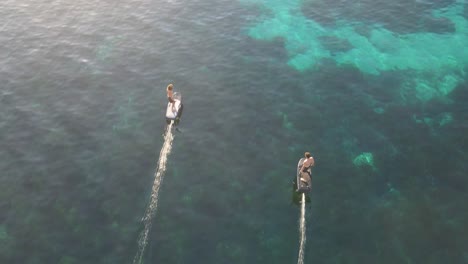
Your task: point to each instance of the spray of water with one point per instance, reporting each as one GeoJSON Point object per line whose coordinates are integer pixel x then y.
{"type": "Point", "coordinates": [153, 204]}
{"type": "Point", "coordinates": [302, 231]}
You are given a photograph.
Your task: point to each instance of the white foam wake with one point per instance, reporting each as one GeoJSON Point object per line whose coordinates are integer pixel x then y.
{"type": "Point", "coordinates": [302, 232]}
{"type": "Point", "coordinates": [153, 204]}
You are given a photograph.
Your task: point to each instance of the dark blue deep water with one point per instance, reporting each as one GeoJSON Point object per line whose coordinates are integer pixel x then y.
{"type": "Point", "coordinates": [376, 90]}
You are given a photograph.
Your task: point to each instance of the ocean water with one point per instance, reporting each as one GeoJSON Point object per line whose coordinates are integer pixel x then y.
{"type": "Point", "coordinates": [377, 91]}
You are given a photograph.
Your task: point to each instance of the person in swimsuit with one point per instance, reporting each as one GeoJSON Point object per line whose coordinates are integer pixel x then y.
{"type": "Point", "coordinates": [170, 95]}
{"type": "Point", "coordinates": [308, 163]}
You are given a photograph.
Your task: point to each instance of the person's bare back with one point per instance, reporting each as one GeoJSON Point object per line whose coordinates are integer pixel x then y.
{"type": "Point", "coordinates": [170, 95]}
{"type": "Point", "coordinates": [308, 162]}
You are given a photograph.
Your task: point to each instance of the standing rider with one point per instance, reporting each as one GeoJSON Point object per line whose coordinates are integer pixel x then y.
{"type": "Point", "coordinates": [170, 95]}
{"type": "Point", "coordinates": [308, 163]}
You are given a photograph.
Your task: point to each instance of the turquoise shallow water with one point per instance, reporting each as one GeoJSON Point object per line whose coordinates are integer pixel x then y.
{"type": "Point", "coordinates": [375, 90]}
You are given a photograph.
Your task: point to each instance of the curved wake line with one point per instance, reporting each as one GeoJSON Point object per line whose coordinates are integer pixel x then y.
{"type": "Point", "coordinates": [153, 204]}
{"type": "Point", "coordinates": [302, 231]}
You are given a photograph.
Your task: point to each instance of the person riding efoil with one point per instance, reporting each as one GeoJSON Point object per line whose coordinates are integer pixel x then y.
{"type": "Point", "coordinates": [170, 96]}
{"type": "Point", "coordinates": [306, 165]}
